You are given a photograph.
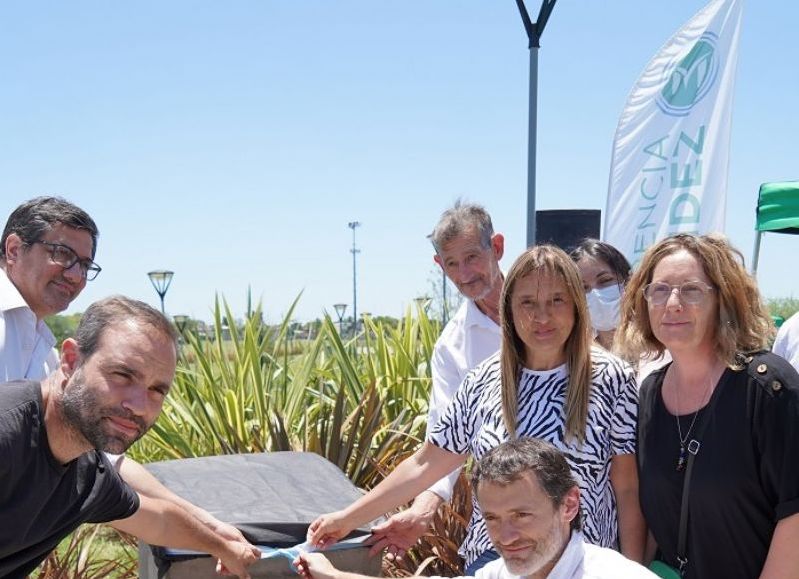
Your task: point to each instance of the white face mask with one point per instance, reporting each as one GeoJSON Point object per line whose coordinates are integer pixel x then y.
{"type": "Point", "coordinates": [603, 304]}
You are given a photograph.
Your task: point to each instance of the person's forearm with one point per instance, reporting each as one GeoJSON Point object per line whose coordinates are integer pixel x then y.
{"type": "Point", "coordinates": [632, 528]}
{"type": "Point", "coordinates": [427, 503]}
{"type": "Point", "coordinates": [406, 481]}
{"type": "Point", "coordinates": [651, 548]}
{"type": "Point", "coordinates": [446, 486]}
{"type": "Point", "coordinates": [782, 561]}
{"type": "Point", "coordinates": [144, 483]}
{"type": "Point", "coordinates": [160, 522]}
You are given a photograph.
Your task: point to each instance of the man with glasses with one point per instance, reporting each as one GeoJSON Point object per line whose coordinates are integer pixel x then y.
{"type": "Point", "coordinates": [47, 254]}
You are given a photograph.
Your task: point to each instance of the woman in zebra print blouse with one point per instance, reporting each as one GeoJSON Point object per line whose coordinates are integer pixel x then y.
{"type": "Point", "coordinates": [547, 382]}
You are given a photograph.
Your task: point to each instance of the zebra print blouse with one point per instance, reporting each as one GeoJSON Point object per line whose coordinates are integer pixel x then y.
{"type": "Point", "coordinates": [472, 424]}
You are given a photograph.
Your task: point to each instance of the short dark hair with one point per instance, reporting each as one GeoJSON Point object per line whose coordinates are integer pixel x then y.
{"type": "Point", "coordinates": [457, 220]}
{"type": "Point", "coordinates": [509, 461]}
{"type": "Point", "coordinates": [602, 251]}
{"type": "Point", "coordinates": [31, 220]}
{"type": "Point", "coordinates": [114, 310]}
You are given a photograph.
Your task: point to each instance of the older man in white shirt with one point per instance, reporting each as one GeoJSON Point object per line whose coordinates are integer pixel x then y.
{"type": "Point", "coordinates": [468, 251]}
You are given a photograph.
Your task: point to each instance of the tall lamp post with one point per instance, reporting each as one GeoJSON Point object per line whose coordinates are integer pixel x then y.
{"type": "Point", "coordinates": [161, 279]}
{"type": "Point", "coordinates": [352, 225]}
{"type": "Point", "coordinates": [534, 31]}
{"type": "Point", "coordinates": [340, 309]}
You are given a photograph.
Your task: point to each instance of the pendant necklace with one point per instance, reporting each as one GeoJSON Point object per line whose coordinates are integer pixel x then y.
{"type": "Point", "coordinates": [681, 460]}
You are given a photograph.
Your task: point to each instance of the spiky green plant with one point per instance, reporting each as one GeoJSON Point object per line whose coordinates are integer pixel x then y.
{"type": "Point", "coordinates": [360, 403]}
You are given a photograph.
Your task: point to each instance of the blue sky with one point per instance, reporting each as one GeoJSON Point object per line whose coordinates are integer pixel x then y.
{"type": "Point", "coordinates": [233, 142]}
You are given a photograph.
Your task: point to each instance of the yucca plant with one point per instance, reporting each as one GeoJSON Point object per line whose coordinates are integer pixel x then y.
{"type": "Point", "coordinates": [360, 403]}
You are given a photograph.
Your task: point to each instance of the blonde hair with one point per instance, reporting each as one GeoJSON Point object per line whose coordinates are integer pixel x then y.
{"type": "Point", "coordinates": [547, 260]}
{"type": "Point", "coordinates": [744, 324]}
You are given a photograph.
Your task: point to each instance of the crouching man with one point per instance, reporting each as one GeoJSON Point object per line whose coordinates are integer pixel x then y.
{"type": "Point", "coordinates": [108, 390]}
{"type": "Point", "coordinates": [531, 505]}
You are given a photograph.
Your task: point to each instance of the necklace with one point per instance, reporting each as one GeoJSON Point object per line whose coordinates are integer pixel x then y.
{"type": "Point", "coordinates": [684, 439]}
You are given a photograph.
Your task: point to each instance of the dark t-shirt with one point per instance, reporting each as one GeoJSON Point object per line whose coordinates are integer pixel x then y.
{"type": "Point", "coordinates": [42, 501]}
{"type": "Point", "coordinates": [745, 476]}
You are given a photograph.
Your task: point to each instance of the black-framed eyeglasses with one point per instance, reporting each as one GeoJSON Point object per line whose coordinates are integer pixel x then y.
{"type": "Point", "coordinates": [690, 292]}
{"type": "Point", "coordinates": [66, 257]}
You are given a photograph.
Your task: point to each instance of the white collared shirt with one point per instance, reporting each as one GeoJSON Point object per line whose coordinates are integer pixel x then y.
{"type": "Point", "coordinates": [469, 338]}
{"type": "Point", "coordinates": [26, 345]}
{"type": "Point", "coordinates": [786, 344]}
{"type": "Point", "coordinates": [579, 561]}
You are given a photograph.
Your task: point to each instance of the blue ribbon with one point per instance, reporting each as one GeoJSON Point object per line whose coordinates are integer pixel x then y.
{"type": "Point", "coordinates": [291, 553]}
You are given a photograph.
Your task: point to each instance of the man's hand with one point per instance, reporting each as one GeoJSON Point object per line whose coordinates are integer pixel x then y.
{"type": "Point", "coordinates": [327, 529]}
{"type": "Point", "coordinates": [399, 533]}
{"type": "Point", "coordinates": [315, 566]}
{"type": "Point", "coordinates": [238, 556]}
{"type": "Point", "coordinates": [402, 531]}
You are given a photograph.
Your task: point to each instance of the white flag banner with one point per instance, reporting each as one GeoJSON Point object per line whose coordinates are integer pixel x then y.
{"type": "Point", "coordinates": [668, 170]}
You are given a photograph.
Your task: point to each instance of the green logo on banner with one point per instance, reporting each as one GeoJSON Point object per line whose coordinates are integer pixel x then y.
{"type": "Point", "coordinates": [690, 79]}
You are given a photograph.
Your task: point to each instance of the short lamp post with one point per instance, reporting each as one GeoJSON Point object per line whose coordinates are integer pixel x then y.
{"type": "Point", "coordinates": [422, 303]}
{"type": "Point", "coordinates": [181, 321]}
{"type": "Point", "coordinates": [340, 309]}
{"type": "Point", "coordinates": [161, 279]}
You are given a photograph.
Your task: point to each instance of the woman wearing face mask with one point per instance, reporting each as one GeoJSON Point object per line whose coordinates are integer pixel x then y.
{"type": "Point", "coordinates": [604, 271]}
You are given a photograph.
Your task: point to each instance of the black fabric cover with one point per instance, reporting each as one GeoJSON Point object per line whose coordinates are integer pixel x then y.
{"type": "Point", "coordinates": [270, 497]}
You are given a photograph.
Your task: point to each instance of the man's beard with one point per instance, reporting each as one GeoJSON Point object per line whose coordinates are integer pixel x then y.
{"type": "Point", "coordinates": [83, 412]}
{"type": "Point", "coordinates": [544, 552]}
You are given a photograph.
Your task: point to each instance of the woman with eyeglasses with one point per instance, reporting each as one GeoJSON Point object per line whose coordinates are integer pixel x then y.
{"type": "Point", "coordinates": [604, 271]}
{"type": "Point", "coordinates": [547, 381]}
{"type": "Point", "coordinates": [723, 399]}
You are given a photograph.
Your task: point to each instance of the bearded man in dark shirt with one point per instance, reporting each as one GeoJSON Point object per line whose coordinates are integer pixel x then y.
{"type": "Point", "coordinates": [107, 392]}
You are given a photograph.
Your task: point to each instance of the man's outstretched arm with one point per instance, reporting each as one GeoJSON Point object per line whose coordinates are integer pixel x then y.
{"type": "Point", "coordinates": [144, 483]}
{"type": "Point", "coordinates": [160, 522]}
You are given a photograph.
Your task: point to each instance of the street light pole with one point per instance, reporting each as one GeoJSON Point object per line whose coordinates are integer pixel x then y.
{"type": "Point", "coordinates": [352, 225]}
{"type": "Point", "coordinates": [340, 309]}
{"type": "Point", "coordinates": [534, 31]}
{"type": "Point", "coordinates": [161, 279]}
